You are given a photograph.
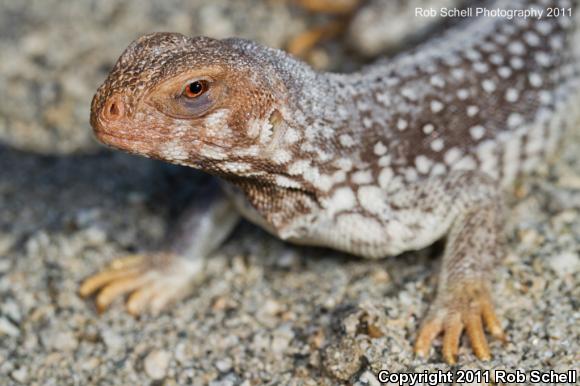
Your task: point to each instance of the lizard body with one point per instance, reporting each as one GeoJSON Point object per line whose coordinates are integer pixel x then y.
{"type": "Point", "coordinates": [375, 163]}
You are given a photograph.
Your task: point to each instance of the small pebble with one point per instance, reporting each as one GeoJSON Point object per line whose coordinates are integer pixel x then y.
{"type": "Point", "coordinates": [564, 263]}
{"type": "Point", "coordinates": [224, 365]}
{"type": "Point", "coordinates": [20, 375]}
{"type": "Point", "coordinates": [156, 364]}
{"type": "Point", "coordinates": [113, 341]}
{"type": "Point", "coordinates": [59, 340]}
{"type": "Point", "coordinates": [7, 328]}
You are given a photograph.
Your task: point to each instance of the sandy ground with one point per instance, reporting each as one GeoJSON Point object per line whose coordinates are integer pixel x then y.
{"type": "Point", "coordinates": [267, 313]}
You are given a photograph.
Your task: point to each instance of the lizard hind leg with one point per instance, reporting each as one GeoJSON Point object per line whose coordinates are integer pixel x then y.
{"type": "Point", "coordinates": [151, 280]}
{"type": "Point", "coordinates": [474, 245]}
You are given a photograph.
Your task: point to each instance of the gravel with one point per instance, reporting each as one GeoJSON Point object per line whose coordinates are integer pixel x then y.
{"type": "Point", "coordinates": [267, 313]}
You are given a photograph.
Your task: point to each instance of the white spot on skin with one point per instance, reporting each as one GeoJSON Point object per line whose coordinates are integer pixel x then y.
{"type": "Point", "coordinates": [488, 85]}
{"type": "Point", "coordinates": [481, 67]}
{"type": "Point", "coordinates": [291, 136]}
{"type": "Point", "coordinates": [423, 164]}
{"type": "Point", "coordinates": [532, 39]}
{"type": "Point", "coordinates": [512, 95]}
{"type": "Point", "coordinates": [514, 120]}
{"type": "Point", "coordinates": [452, 155]}
{"type": "Point", "coordinates": [373, 199]}
{"type": "Point", "coordinates": [254, 128]}
{"type": "Point", "coordinates": [312, 175]}
{"type": "Point", "coordinates": [346, 140]}
{"type": "Point", "coordinates": [504, 72]}
{"type": "Point", "coordinates": [380, 149]}
{"type": "Point", "coordinates": [517, 63]}
{"type": "Point", "coordinates": [323, 182]}
{"type": "Point", "coordinates": [409, 93]}
{"type": "Point", "coordinates": [458, 73]}
{"type": "Point", "coordinates": [352, 223]}
{"type": "Point", "coordinates": [217, 119]}
{"type": "Point", "coordinates": [472, 55]}
{"type": "Point", "coordinates": [367, 122]}
{"type": "Point", "coordinates": [462, 94]}
{"type": "Point", "coordinates": [402, 124]}
{"type": "Point", "coordinates": [342, 199]}
{"type": "Point", "coordinates": [511, 157]}
{"type": "Point", "coordinates": [362, 177]}
{"type": "Point", "coordinates": [236, 167]}
{"type": "Point", "coordinates": [343, 164]}
{"type": "Point", "coordinates": [287, 182]}
{"type": "Point", "coordinates": [299, 167]}
{"type": "Point", "coordinates": [173, 151]}
{"type": "Point", "coordinates": [251, 151]}
{"type": "Point", "coordinates": [477, 132]}
{"type": "Point", "coordinates": [438, 169]}
{"type": "Point", "coordinates": [545, 97]}
{"type": "Point", "coordinates": [385, 160]}
{"type": "Point", "coordinates": [339, 176]}
{"type": "Point", "coordinates": [265, 131]}
{"type": "Point", "coordinates": [535, 80]}
{"type": "Point", "coordinates": [486, 155]}
{"type": "Point", "coordinates": [281, 156]}
{"type": "Point", "coordinates": [437, 81]}
{"type": "Point", "coordinates": [212, 152]}
{"type": "Point", "coordinates": [517, 48]}
{"type": "Point", "coordinates": [472, 110]}
{"type": "Point", "coordinates": [385, 176]}
{"type": "Point", "coordinates": [411, 175]}
{"type": "Point", "coordinates": [465, 163]}
{"type": "Point", "coordinates": [557, 42]}
{"type": "Point", "coordinates": [543, 59]}
{"type": "Point", "coordinates": [428, 128]}
{"type": "Point", "coordinates": [383, 98]}
{"type": "Point", "coordinates": [436, 106]}
{"type": "Point", "coordinates": [437, 144]}
{"type": "Point", "coordinates": [544, 27]}
{"type": "Point", "coordinates": [496, 59]}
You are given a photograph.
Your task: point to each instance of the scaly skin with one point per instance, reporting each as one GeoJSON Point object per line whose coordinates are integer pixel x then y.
{"type": "Point", "coordinates": [375, 163]}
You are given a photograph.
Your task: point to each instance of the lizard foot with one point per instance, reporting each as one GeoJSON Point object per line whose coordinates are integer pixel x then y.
{"type": "Point", "coordinates": [466, 307]}
{"type": "Point", "coordinates": [152, 281]}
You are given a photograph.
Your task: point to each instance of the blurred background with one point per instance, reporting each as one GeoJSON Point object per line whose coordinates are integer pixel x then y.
{"type": "Point", "coordinates": [267, 314]}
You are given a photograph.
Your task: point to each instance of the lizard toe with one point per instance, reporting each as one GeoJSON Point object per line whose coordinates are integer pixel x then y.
{"type": "Point", "coordinates": [151, 281]}
{"type": "Point", "coordinates": [468, 309]}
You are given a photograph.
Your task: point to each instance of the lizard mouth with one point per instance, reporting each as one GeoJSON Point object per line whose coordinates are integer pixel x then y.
{"type": "Point", "coordinates": [126, 142]}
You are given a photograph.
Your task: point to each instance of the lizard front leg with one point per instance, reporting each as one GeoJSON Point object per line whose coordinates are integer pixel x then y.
{"type": "Point", "coordinates": [155, 279]}
{"type": "Point", "coordinates": [474, 244]}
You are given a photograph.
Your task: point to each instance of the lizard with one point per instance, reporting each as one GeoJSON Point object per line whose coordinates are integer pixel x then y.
{"type": "Point", "coordinates": [408, 150]}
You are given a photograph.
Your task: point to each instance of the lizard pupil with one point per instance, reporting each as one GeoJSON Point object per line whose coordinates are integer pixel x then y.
{"type": "Point", "coordinates": [195, 89]}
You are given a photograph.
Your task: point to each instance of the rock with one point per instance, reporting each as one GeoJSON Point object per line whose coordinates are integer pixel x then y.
{"type": "Point", "coordinates": [567, 262]}
{"type": "Point", "coordinates": [59, 340]}
{"type": "Point", "coordinates": [7, 328]}
{"type": "Point", "coordinates": [224, 365]}
{"type": "Point", "coordinates": [281, 338]}
{"type": "Point", "coordinates": [342, 359]}
{"type": "Point", "coordinates": [156, 364]}
{"type": "Point", "coordinates": [20, 375]}
{"type": "Point", "coordinates": [113, 341]}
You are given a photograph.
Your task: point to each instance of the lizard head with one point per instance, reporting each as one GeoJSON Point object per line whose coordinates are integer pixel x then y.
{"type": "Point", "coordinates": [199, 102]}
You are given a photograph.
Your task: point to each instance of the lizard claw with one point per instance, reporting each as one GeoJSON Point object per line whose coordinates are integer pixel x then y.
{"type": "Point", "coordinates": [468, 308]}
{"type": "Point", "coordinates": [152, 281]}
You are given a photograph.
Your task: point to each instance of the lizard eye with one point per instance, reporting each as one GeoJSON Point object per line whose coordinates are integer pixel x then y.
{"type": "Point", "coordinates": [195, 88]}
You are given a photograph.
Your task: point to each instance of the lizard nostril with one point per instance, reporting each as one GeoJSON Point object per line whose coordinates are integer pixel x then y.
{"type": "Point", "coordinates": [114, 109]}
